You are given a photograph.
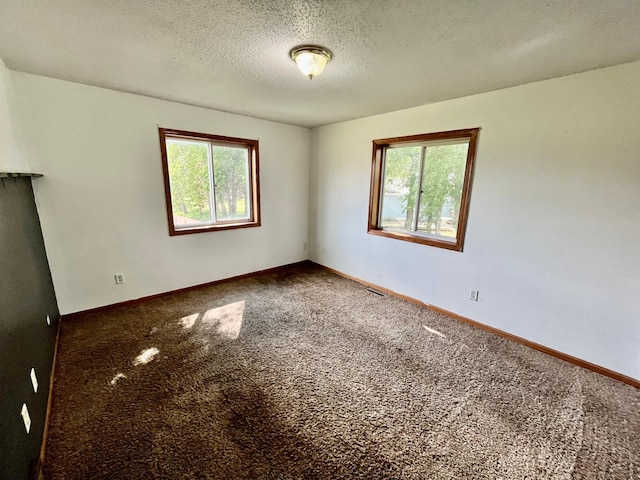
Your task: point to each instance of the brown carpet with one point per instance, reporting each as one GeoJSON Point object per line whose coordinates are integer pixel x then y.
{"type": "Point", "coordinates": [303, 374]}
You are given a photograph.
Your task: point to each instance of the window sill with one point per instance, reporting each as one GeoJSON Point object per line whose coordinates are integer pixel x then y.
{"type": "Point", "coordinates": [211, 228]}
{"type": "Point", "coordinates": [423, 240]}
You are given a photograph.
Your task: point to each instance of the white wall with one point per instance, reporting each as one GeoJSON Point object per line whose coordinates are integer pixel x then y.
{"type": "Point", "coordinates": [553, 239]}
{"type": "Point", "coordinates": [12, 154]}
{"type": "Point", "coordinates": [101, 201]}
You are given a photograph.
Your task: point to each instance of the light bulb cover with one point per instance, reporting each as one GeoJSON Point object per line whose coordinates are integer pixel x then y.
{"type": "Point", "coordinates": [311, 59]}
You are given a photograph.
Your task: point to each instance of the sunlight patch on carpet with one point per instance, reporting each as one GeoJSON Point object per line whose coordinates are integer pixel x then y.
{"type": "Point", "coordinates": [436, 332]}
{"type": "Point", "coordinates": [188, 321]}
{"type": "Point", "coordinates": [227, 319]}
{"type": "Point", "coordinates": [118, 376]}
{"type": "Point", "coordinates": [146, 356]}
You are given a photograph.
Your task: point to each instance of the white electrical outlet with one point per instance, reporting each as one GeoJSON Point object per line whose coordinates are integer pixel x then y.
{"type": "Point", "coordinates": [48, 320]}
{"type": "Point", "coordinates": [119, 277]}
{"type": "Point", "coordinates": [304, 245]}
{"type": "Point", "coordinates": [473, 295]}
{"type": "Point", "coordinates": [25, 417]}
{"type": "Point", "coordinates": [34, 380]}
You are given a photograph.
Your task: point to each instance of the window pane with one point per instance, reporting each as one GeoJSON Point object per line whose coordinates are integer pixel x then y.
{"type": "Point", "coordinates": [400, 187]}
{"type": "Point", "coordinates": [188, 163]}
{"type": "Point", "coordinates": [231, 177]}
{"type": "Point", "coordinates": [442, 182]}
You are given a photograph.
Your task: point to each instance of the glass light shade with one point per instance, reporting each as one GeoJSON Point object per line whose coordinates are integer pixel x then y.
{"type": "Point", "coordinates": [311, 60]}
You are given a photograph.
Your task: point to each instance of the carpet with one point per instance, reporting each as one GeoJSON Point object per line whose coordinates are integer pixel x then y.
{"type": "Point", "coordinates": [302, 374]}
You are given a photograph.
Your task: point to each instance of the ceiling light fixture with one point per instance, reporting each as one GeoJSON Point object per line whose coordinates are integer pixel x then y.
{"type": "Point", "coordinates": [311, 59]}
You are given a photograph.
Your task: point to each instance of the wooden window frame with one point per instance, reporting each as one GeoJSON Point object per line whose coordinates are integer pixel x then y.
{"type": "Point", "coordinates": [254, 180]}
{"type": "Point", "coordinates": [377, 175]}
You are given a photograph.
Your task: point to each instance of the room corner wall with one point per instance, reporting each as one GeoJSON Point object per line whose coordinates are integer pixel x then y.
{"type": "Point", "coordinates": [553, 238]}
{"type": "Point", "coordinates": [27, 298]}
{"type": "Point", "coordinates": [12, 153]}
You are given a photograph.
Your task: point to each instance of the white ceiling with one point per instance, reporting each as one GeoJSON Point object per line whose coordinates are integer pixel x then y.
{"type": "Point", "coordinates": [388, 54]}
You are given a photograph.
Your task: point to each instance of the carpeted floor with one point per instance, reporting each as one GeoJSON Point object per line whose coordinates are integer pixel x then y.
{"type": "Point", "coordinates": [304, 374]}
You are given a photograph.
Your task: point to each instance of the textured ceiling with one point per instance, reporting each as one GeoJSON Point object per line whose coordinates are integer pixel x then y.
{"type": "Point", "coordinates": [233, 55]}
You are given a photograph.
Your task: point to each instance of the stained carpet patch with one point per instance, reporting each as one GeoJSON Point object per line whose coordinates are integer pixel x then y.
{"type": "Point", "coordinates": [304, 374]}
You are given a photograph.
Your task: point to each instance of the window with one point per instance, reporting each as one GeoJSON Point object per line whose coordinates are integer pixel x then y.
{"type": "Point", "coordinates": [420, 187]}
{"type": "Point", "coordinates": [211, 182]}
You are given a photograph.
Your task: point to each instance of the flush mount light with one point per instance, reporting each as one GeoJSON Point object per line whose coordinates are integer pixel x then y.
{"type": "Point", "coordinates": [311, 59]}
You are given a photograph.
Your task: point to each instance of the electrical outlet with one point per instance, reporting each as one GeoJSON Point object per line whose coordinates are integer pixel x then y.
{"type": "Point", "coordinates": [48, 320]}
{"type": "Point", "coordinates": [473, 295]}
{"type": "Point", "coordinates": [119, 277]}
{"type": "Point", "coordinates": [304, 245]}
{"type": "Point", "coordinates": [34, 380]}
{"type": "Point", "coordinates": [25, 417]}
